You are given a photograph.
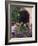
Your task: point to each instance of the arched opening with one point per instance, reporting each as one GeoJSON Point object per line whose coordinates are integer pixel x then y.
{"type": "Point", "coordinates": [24, 16]}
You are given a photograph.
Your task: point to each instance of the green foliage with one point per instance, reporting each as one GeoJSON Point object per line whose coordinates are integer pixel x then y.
{"type": "Point", "coordinates": [15, 14]}
{"type": "Point", "coordinates": [22, 29]}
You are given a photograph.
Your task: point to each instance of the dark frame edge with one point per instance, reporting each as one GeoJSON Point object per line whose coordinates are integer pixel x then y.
{"type": "Point", "coordinates": [6, 24]}
{"type": "Point", "coordinates": [36, 22]}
